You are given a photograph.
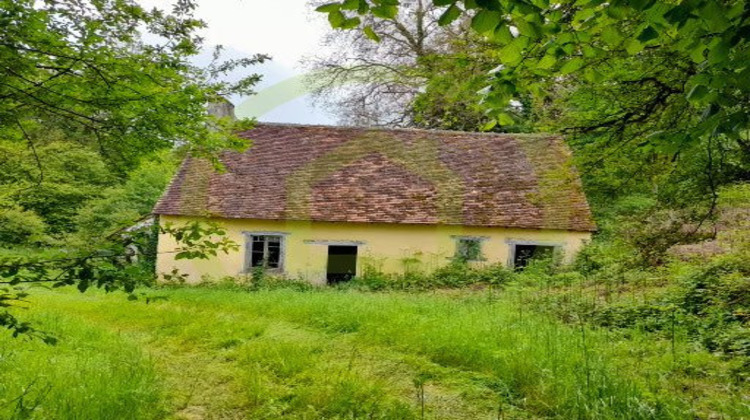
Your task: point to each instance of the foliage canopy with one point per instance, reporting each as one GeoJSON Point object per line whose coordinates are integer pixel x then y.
{"type": "Point", "coordinates": [539, 41]}
{"type": "Point", "coordinates": [112, 75]}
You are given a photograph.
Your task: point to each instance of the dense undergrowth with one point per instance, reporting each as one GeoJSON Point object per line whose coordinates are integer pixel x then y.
{"type": "Point", "coordinates": [707, 301]}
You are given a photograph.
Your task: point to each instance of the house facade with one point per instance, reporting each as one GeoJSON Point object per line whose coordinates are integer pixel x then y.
{"type": "Point", "coordinates": [324, 204]}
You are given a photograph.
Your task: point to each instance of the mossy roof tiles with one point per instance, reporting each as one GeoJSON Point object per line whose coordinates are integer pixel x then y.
{"type": "Point", "coordinates": [348, 174]}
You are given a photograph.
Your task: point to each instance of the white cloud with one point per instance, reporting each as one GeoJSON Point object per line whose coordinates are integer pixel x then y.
{"type": "Point", "coordinates": [284, 29]}
{"type": "Point", "coordinates": [287, 30]}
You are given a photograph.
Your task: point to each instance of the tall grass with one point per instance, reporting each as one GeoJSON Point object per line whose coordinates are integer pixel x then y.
{"type": "Point", "coordinates": [529, 361]}
{"type": "Point", "coordinates": [343, 354]}
{"type": "Point", "coordinates": [90, 374]}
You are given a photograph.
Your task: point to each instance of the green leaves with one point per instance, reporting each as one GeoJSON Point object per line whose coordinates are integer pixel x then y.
{"type": "Point", "coordinates": [350, 23]}
{"type": "Point", "coordinates": [502, 34]}
{"type": "Point", "coordinates": [340, 17]}
{"type": "Point", "coordinates": [117, 75]}
{"type": "Point", "coordinates": [329, 8]}
{"type": "Point", "coordinates": [633, 46]}
{"type": "Point", "coordinates": [648, 34]}
{"type": "Point", "coordinates": [697, 93]}
{"type": "Point", "coordinates": [493, 5]}
{"type": "Point", "coordinates": [353, 4]}
{"type": "Point", "coordinates": [528, 29]}
{"type": "Point", "coordinates": [572, 65]}
{"type": "Point", "coordinates": [336, 18]}
{"type": "Point", "coordinates": [547, 62]}
{"type": "Point", "coordinates": [642, 5]}
{"type": "Point", "coordinates": [649, 49]}
{"type": "Point", "coordinates": [489, 125]}
{"type": "Point", "coordinates": [385, 11]}
{"type": "Point", "coordinates": [714, 16]}
{"type": "Point", "coordinates": [485, 21]}
{"type": "Point", "coordinates": [505, 119]}
{"type": "Point", "coordinates": [697, 54]}
{"type": "Point", "coordinates": [679, 14]}
{"type": "Point", "coordinates": [370, 33]}
{"type": "Point", "coordinates": [718, 52]}
{"type": "Point", "coordinates": [199, 240]}
{"type": "Point", "coordinates": [450, 15]}
{"type": "Point", "coordinates": [511, 55]}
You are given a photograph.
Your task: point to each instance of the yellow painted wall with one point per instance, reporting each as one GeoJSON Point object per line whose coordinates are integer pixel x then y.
{"type": "Point", "coordinates": [389, 247]}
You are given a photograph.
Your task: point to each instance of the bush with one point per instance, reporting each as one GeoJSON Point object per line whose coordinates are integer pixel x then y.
{"type": "Point", "coordinates": [124, 205]}
{"type": "Point", "coordinates": [371, 279]}
{"type": "Point", "coordinates": [73, 174]}
{"type": "Point", "coordinates": [261, 280]}
{"type": "Point", "coordinates": [454, 275]}
{"type": "Point", "coordinates": [257, 280]}
{"type": "Point", "coordinates": [710, 301]}
{"type": "Point", "coordinates": [718, 294]}
{"type": "Point", "coordinates": [20, 227]}
{"type": "Point", "coordinates": [706, 299]}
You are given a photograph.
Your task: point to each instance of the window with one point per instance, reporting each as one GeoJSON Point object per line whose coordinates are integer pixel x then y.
{"type": "Point", "coordinates": [469, 249]}
{"type": "Point", "coordinates": [265, 251]}
{"type": "Point", "coordinates": [523, 253]}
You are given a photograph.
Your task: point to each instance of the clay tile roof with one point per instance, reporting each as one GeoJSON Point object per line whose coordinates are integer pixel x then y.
{"type": "Point", "coordinates": [347, 174]}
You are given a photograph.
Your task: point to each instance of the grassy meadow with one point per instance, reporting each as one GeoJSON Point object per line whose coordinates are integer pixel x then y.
{"type": "Point", "coordinates": [193, 353]}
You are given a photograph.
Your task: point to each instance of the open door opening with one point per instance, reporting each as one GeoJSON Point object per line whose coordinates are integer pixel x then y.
{"type": "Point", "coordinates": [342, 263]}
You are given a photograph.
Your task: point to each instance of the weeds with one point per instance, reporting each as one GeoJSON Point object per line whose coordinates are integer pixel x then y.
{"type": "Point", "coordinates": [457, 274]}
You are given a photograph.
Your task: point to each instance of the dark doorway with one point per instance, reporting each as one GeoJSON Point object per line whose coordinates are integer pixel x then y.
{"type": "Point", "coordinates": [342, 263]}
{"type": "Point", "coordinates": [525, 253]}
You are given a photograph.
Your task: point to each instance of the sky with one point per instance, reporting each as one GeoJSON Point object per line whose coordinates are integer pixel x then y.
{"type": "Point", "coordinates": [287, 30]}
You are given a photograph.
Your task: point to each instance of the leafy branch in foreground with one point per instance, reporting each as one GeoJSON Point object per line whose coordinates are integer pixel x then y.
{"type": "Point", "coordinates": [114, 76]}
{"type": "Point", "coordinates": [110, 268]}
{"type": "Point", "coordinates": [541, 42]}
{"type": "Point", "coordinates": [199, 240]}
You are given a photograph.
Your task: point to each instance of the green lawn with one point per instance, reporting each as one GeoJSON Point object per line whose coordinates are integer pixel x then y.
{"type": "Point", "coordinates": [208, 353]}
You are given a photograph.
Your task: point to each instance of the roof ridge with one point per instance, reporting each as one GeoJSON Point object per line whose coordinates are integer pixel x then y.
{"type": "Point", "coordinates": [409, 129]}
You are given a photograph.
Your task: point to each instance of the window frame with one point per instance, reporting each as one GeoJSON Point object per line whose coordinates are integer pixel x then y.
{"type": "Point", "coordinates": [249, 240]}
{"type": "Point", "coordinates": [460, 238]}
{"type": "Point", "coordinates": [557, 248]}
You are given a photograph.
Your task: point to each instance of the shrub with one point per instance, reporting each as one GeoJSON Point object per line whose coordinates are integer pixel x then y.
{"type": "Point", "coordinates": [709, 301]}
{"type": "Point", "coordinates": [718, 294]}
{"type": "Point", "coordinates": [123, 205]}
{"type": "Point", "coordinates": [20, 227]}
{"type": "Point", "coordinates": [454, 275]}
{"type": "Point", "coordinates": [371, 279]}
{"type": "Point", "coordinates": [258, 279]}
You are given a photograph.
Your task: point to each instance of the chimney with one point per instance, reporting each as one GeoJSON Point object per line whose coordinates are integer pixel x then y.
{"type": "Point", "coordinates": [221, 108]}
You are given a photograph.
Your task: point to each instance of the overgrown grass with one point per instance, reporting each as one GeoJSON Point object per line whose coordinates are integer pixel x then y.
{"type": "Point", "coordinates": [91, 374]}
{"type": "Point", "coordinates": [346, 354]}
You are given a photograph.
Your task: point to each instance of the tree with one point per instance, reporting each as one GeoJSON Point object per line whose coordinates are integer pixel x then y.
{"type": "Point", "coordinates": [112, 75]}
{"type": "Point", "coordinates": [89, 88]}
{"type": "Point", "coordinates": [20, 227]}
{"type": "Point", "coordinates": [70, 174]}
{"type": "Point", "coordinates": [376, 83]}
{"type": "Point", "coordinates": [539, 41]}
{"type": "Point", "coordinates": [452, 96]}
{"type": "Point", "coordinates": [120, 206]}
